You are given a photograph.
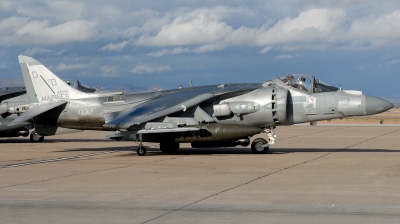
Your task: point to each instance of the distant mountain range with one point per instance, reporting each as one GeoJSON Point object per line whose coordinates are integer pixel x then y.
{"type": "Point", "coordinates": [125, 88]}
{"type": "Point", "coordinates": [11, 82]}
{"type": "Point", "coordinates": [130, 88]}
{"type": "Point", "coordinates": [394, 99]}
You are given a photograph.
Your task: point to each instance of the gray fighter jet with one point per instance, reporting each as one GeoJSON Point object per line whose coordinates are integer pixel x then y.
{"type": "Point", "coordinates": [8, 112]}
{"type": "Point", "coordinates": [223, 115]}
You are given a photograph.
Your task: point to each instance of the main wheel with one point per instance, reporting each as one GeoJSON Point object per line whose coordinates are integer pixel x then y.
{"type": "Point", "coordinates": [141, 151]}
{"type": "Point", "coordinates": [257, 146]}
{"type": "Point", "coordinates": [35, 137]}
{"type": "Point", "coordinates": [169, 147]}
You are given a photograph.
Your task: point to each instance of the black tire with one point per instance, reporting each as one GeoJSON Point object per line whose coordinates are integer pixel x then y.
{"type": "Point", "coordinates": [257, 148]}
{"type": "Point", "coordinates": [169, 147]}
{"type": "Point", "coordinates": [35, 137]}
{"type": "Point", "coordinates": [141, 151]}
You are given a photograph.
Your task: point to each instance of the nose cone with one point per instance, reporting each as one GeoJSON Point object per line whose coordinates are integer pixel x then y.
{"type": "Point", "coordinates": [375, 105]}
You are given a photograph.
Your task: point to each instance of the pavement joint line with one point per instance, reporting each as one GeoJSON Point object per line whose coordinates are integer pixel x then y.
{"type": "Point", "coordinates": [229, 189]}
{"type": "Point", "coordinates": [371, 139]}
{"type": "Point", "coordinates": [90, 172]}
{"type": "Point", "coordinates": [57, 159]}
{"type": "Point", "coordinates": [263, 176]}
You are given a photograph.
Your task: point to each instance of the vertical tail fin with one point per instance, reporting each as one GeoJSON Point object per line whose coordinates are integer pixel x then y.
{"type": "Point", "coordinates": [42, 85]}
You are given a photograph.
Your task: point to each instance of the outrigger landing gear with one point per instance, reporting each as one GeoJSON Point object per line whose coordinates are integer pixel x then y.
{"type": "Point", "coordinates": [260, 145]}
{"type": "Point", "coordinates": [141, 151]}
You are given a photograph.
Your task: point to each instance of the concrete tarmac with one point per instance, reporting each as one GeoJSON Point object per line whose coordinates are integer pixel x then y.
{"type": "Point", "coordinates": [313, 174]}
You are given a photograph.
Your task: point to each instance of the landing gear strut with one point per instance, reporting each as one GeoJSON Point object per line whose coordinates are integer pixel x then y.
{"type": "Point", "coordinates": [35, 137]}
{"type": "Point", "coordinates": [141, 151]}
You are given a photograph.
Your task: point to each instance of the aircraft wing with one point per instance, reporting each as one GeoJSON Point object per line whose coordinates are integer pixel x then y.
{"type": "Point", "coordinates": [156, 108]}
{"type": "Point", "coordinates": [34, 111]}
{"type": "Point", "coordinates": [171, 103]}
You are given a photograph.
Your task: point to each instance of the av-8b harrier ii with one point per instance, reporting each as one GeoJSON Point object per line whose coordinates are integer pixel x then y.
{"type": "Point", "coordinates": [223, 115]}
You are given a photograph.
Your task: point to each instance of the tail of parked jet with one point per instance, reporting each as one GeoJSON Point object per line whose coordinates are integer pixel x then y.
{"type": "Point", "coordinates": [42, 85]}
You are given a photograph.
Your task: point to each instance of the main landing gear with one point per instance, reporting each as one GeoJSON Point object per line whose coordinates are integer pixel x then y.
{"type": "Point", "coordinates": [260, 145]}
{"type": "Point", "coordinates": [35, 137]}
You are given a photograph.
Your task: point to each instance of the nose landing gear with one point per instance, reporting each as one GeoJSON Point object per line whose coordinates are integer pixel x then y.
{"type": "Point", "coordinates": [260, 145]}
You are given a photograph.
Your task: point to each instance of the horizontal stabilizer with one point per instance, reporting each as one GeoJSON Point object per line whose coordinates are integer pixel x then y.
{"type": "Point", "coordinates": [34, 111]}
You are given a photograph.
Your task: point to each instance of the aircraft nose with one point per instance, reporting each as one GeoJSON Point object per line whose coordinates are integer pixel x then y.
{"type": "Point", "coordinates": [375, 105]}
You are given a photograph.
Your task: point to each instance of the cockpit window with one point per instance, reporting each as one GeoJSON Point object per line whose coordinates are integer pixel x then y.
{"type": "Point", "coordinates": [307, 83]}
{"type": "Point", "coordinates": [320, 86]}
{"type": "Point", "coordinates": [301, 82]}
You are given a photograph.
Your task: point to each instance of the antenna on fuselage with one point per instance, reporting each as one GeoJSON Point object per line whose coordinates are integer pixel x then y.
{"type": "Point", "coordinates": [340, 87]}
{"type": "Point", "coordinates": [191, 84]}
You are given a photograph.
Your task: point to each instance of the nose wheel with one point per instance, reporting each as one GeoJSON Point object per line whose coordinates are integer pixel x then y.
{"type": "Point", "coordinates": [258, 146]}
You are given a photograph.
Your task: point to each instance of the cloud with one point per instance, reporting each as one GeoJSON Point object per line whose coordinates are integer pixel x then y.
{"type": "Point", "coordinates": [140, 69]}
{"type": "Point", "coordinates": [22, 31]}
{"type": "Point", "coordinates": [309, 26]}
{"type": "Point", "coordinates": [206, 29]}
{"type": "Point", "coordinates": [109, 71]}
{"type": "Point", "coordinates": [115, 47]}
{"type": "Point", "coordinates": [372, 31]}
{"type": "Point", "coordinates": [394, 61]}
{"type": "Point", "coordinates": [37, 50]}
{"type": "Point", "coordinates": [163, 52]}
{"type": "Point", "coordinates": [315, 28]}
{"type": "Point", "coordinates": [209, 48]}
{"type": "Point", "coordinates": [265, 50]}
{"type": "Point", "coordinates": [62, 66]}
{"type": "Point", "coordinates": [202, 27]}
{"type": "Point", "coordinates": [199, 26]}
{"type": "Point", "coordinates": [284, 56]}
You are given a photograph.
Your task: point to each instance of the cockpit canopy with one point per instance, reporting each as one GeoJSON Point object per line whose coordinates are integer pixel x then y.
{"type": "Point", "coordinates": [307, 83]}
{"type": "Point", "coordinates": [79, 86]}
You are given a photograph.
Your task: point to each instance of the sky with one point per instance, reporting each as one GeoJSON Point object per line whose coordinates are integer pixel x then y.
{"type": "Point", "coordinates": [352, 43]}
